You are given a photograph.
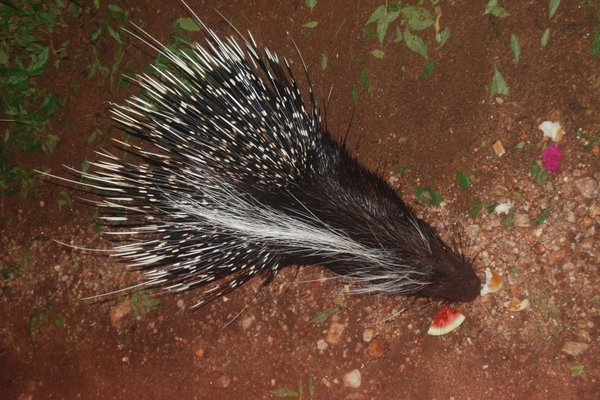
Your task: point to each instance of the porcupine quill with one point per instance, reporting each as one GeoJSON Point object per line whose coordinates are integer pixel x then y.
{"type": "Point", "coordinates": [241, 179]}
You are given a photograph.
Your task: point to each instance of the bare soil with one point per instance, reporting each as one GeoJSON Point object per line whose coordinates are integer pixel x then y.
{"type": "Point", "coordinates": [55, 345]}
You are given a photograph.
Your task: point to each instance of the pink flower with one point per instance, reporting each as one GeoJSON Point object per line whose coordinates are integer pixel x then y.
{"type": "Point", "coordinates": [551, 156]}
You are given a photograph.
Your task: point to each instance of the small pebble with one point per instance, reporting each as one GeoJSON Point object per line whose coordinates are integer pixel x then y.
{"type": "Point", "coordinates": [588, 187]}
{"type": "Point", "coordinates": [522, 221]}
{"type": "Point", "coordinates": [368, 334]}
{"type": "Point", "coordinates": [322, 345]}
{"type": "Point", "coordinates": [574, 348]}
{"type": "Point", "coordinates": [334, 333]}
{"type": "Point", "coordinates": [353, 379]}
{"type": "Point", "coordinates": [376, 348]}
{"type": "Point", "coordinates": [246, 322]}
{"type": "Point", "coordinates": [224, 381]}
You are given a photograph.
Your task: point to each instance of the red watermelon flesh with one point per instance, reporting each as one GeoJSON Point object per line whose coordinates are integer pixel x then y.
{"type": "Point", "coordinates": [446, 320]}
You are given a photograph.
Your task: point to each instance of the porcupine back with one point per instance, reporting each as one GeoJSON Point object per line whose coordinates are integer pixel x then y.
{"type": "Point", "coordinates": [240, 179]}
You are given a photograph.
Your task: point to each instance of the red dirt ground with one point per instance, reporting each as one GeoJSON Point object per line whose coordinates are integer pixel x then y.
{"type": "Point", "coordinates": [54, 345]}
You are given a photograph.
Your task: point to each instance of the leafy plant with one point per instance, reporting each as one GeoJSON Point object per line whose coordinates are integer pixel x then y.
{"type": "Point", "coordinates": [25, 53]}
{"type": "Point", "coordinates": [143, 303]}
{"type": "Point", "coordinates": [409, 21]}
{"type": "Point", "coordinates": [429, 196]}
{"type": "Point", "coordinates": [43, 317]}
{"type": "Point", "coordinates": [299, 393]}
{"type": "Point", "coordinates": [6, 273]}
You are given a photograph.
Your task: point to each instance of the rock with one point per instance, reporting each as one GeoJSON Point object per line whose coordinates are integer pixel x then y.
{"type": "Point", "coordinates": [574, 348]}
{"type": "Point", "coordinates": [224, 381]}
{"type": "Point", "coordinates": [353, 379]}
{"type": "Point", "coordinates": [247, 321]}
{"type": "Point", "coordinates": [588, 187]}
{"type": "Point", "coordinates": [334, 333]}
{"type": "Point", "coordinates": [522, 221]}
{"type": "Point", "coordinates": [322, 345]}
{"type": "Point", "coordinates": [368, 334]}
{"type": "Point", "coordinates": [376, 348]}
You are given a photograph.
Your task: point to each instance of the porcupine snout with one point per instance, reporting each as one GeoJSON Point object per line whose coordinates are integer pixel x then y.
{"type": "Point", "coordinates": [452, 276]}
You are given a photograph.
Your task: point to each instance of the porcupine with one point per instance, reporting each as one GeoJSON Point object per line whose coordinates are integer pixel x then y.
{"type": "Point", "coordinates": [239, 178]}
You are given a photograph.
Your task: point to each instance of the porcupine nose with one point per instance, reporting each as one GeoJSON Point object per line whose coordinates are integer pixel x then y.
{"type": "Point", "coordinates": [452, 277]}
{"type": "Point", "coordinates": [460, 287]}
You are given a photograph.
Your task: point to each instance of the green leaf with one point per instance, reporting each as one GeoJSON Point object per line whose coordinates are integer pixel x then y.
{"type": "Point", "coordinates": [92, 136]}
{"type": "Point", "coordinates": [415, 43]}
{"type": "Point", "coordinates": [324, 60]}
{"type": "Point", "coordinates": [515, 45]}
{"type": "Point", "coordinates": [427, 70]}
{"type": "Point", "coordinates": [491, 207]}
{"type": "Point", "coordinates": [311, 4]}
{"type": "Point", "coordinates": [539, 174]}
{"type": "Point", "coordinates": [384, 23]}
{"type": "Point", "coordinates": [553, 7]}
{"type": "Point", "coordinates": [311, 24]}
{"type": "Point", "coordinates": [283, 392]}
{"type": "Point", "coordinates": [377, 53]}
{"type": "Point", "coordinates": [114, 8]}
{"type": "Point", "coordinates": [115, 34]}
{"type": "Point", "coordinates": [64, 199]}
{"type": "Point", "coordinates": [477, 207]}
{"type": "Point", "coordinates": [544, 214]}
{"type": "Point", "coordinates": [463, 180]}
{"type": "Point", "coordinates": [96, 33]}
{"type": "Point", "coordinates": [442, 36]}
{"type": "Point", "coordinates": [508, 221]}
{"type": "Point", "coordinates": [48, 107]}
{"type": "Point", "coordinates": [50, 143]}
{"type": "Point", "coordinates": [324, 315]}
{"type": "Point", "coordinates": [545, 37]}
{"type": "Point", "coordinates": [39, 62]}
{"type": "Point", "coordinates": [187, 24]}
{"type": "Point", "coordinates": [364, 80]}
{"type": "Point", "coordinates": [596, 42]}
{"type": "Point", "coordinates": [418, 18]}
{"type": "Point", "coordinates": [3, 58]}
{"type": "Point", "coordinates": [499, 85]}
{"type": "Point", "coordinates": [354, 93]}
{"type": "Point", "coordinates": [377, 14]}
{"type": "Point", "coordinates": [576, 369]}
{"type": "Point", "coordinates": [402, 168]}
{"type": "Point", "coordinates": [492, 8]}
{"type": "Point", "coordinates": [429, 196]}
{"type": "Point", "coordinates": [398, 37]}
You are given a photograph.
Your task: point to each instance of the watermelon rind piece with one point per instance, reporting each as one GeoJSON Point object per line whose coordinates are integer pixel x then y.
{"type": "Point", "coordinates": [446, 320]}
